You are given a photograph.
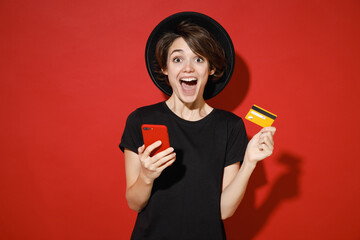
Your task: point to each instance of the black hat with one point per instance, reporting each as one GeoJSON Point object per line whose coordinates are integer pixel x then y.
{"type": "Point", "coordinates": [213, 27]}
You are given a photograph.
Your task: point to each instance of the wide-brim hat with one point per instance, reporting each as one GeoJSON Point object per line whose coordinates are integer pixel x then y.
{"type": "Point", "coordinates": [213, 27]}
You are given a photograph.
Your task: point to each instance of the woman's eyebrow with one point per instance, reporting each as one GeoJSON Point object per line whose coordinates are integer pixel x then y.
{"type": "Point", "coordinates": [176, 50]}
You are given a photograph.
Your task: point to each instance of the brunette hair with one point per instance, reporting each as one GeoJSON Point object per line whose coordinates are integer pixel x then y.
{"type": "Point", "coordinates": [200, 42]}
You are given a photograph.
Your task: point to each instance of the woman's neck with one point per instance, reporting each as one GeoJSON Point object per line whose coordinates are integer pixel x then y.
{"type": "Point", "coordinates": [189, 111]}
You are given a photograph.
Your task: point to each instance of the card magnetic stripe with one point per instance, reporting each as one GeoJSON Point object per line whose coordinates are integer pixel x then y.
{"type": "Point", "coordinates": [263, 112]}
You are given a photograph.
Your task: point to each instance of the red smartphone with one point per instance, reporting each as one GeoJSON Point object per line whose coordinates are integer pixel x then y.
{"type": "Point", "coordinates": [152, 133]}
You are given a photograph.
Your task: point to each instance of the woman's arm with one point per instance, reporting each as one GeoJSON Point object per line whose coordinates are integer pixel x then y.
{"type": "Point", "coordinates": [236, 178]}
{"type": "Point", "coordinates": [141, 171]}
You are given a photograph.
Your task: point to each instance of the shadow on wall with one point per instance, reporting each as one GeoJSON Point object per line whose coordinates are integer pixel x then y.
{"type": "Point", "coordinates": [235, 92]}
{"type": "Point", "coordinates": [248, 220]}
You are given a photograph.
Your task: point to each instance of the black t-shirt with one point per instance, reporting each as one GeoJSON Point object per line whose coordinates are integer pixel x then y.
{"type": "Point", "coordinates": [185, 199]}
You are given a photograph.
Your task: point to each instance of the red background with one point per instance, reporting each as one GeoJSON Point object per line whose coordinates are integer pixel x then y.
{"type": "Point", "coordinates": [72, 71]}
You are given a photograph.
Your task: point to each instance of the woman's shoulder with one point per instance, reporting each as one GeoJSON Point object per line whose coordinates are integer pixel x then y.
{"type": "Point", "coordinates": [229, 119]}
{"type": "Point", "coordinates": [231, 122]}
{"type": "Point", "coordinates": [226, 115]}
{"type": "Point", "coordinates": [148, 110]}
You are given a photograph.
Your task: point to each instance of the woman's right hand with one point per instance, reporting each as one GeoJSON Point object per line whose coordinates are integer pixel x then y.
{"type": "Point", "coordinates": [152, 166]}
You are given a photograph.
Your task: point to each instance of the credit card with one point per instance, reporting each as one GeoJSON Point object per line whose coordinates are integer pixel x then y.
{"type": "Point", "coordinates": [260, 116]}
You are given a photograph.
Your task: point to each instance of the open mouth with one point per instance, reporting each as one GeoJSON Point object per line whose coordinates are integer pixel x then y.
{"type": "Point", "coordinates": [188, 81]}
{"type": "Point", "coordinates": [188, 85]}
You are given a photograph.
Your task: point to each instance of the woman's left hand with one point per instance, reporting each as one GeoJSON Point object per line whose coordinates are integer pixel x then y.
{"type": "Point", "coordinates": [261, 145]}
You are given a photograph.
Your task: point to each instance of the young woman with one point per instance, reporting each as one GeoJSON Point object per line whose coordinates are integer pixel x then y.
{"type": "Point", "coordinates": [185, 191]}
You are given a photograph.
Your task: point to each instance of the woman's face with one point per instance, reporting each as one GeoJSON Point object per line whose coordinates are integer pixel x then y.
{"type": "Point", "coordinates": [187, 72]}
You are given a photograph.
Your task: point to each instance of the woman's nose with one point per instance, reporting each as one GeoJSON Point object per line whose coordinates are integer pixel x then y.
{"type": "Point", "coordinates": [188, 67]}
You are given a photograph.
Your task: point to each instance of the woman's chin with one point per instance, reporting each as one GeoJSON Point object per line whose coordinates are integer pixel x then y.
{"type": "Point", "coordinates": [187, 96]}
{"type": "Point", "coordinates": [190, 98]}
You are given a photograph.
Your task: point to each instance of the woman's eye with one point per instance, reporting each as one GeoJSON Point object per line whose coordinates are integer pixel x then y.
{"type": "Point", "coordinates": [176, 59]}
{"type": "Point", "coordinates": [199, 59]}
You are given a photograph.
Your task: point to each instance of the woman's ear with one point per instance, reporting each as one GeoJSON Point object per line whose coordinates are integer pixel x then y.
{"type": "Point", "coordinates": [212, 71]}
{"type": "Point", "coordinates": [164, 71]}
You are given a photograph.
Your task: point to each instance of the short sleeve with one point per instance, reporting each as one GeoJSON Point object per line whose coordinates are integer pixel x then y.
{"type": "Point", "coordinates": [237, 143]}
{"type": "Point", "coordinates": [132, 138]}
